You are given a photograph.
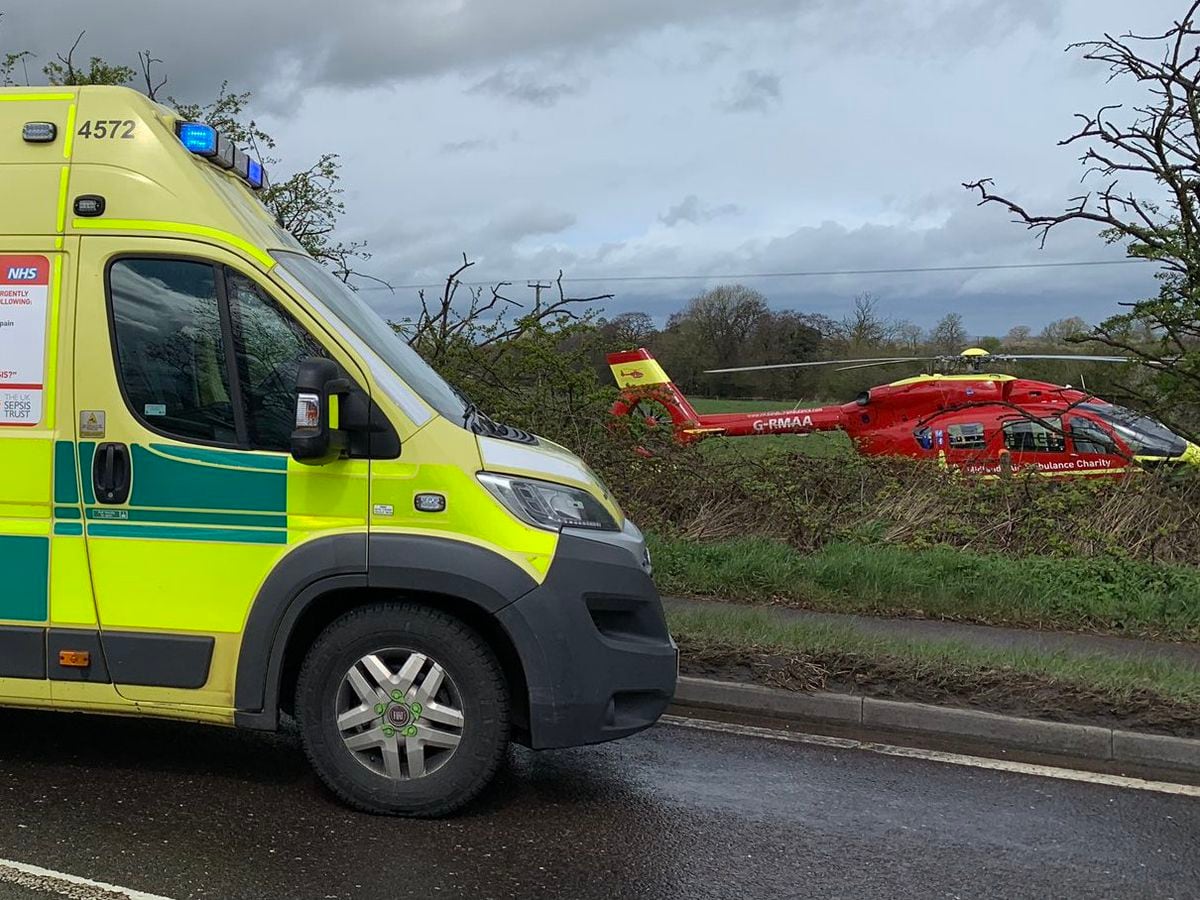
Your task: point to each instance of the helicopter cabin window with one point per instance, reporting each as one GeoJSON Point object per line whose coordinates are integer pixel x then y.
{"type": "Point", "coordinates": [1090, 438]}
{"type": "Point", "coordinates": [1028, 436]}
{"type": "Point", "coordinates": [968, 436]}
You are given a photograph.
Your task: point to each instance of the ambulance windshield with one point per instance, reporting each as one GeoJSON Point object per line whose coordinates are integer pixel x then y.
{"type": "Point", "coordinates": [369, 327]}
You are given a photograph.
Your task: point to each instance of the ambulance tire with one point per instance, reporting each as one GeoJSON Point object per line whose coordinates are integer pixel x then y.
{"type": "Point", "coordinates": [467, 660]}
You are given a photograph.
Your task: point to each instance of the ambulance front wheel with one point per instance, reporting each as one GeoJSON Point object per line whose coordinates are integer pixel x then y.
{"type": "Point", "coordinates": [403, 710]}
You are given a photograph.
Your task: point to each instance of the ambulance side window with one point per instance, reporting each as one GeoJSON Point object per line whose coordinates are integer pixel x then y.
{"type": "Point", "coordinates": [170, 348]}
{"type": "Point", "coordinates": [268, 346]}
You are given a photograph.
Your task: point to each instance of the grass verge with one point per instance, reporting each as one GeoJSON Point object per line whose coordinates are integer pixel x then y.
{"type": "Point", "coordinates": [754, 645]}
{"type": "Point", "coordinates": [1101, 594]}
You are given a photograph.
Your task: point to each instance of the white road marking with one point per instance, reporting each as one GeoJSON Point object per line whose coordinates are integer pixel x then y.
{"type": "Point", "coordinates": [954, 759]}
{"type": "Point", "coordinates": [35, 878]}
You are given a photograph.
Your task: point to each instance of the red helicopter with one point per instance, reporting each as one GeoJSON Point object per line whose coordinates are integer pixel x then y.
{"type": "Point", "coordinates": [981, 422]}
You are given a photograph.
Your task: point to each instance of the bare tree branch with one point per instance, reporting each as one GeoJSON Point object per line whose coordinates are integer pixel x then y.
{"type": "Point", "coordinates": [147, 63]}
{"type": "Point", "coordinates": [1148, 156]}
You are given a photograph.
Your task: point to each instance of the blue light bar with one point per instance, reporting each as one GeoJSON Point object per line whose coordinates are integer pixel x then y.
{"type": "Point", "coordinates": [198, 138]}
{"type": "Point", "coordinates": [206, 141]}
{"type": "Point", "coordinates": [254, 173]}
{"type": "Point", "coordinates": [224, 155]}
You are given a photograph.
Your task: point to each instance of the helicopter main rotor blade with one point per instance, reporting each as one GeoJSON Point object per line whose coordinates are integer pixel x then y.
{"type": "Point", "coordinates": [872, 365]}
{"type": "Point", "coordinates": [1069, 357]}
{"type": "Point", "coordinates": [821, 362]}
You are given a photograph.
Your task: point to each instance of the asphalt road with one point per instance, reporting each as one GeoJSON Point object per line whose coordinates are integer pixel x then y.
{"type": "Point", "coordinates": [185, 811]}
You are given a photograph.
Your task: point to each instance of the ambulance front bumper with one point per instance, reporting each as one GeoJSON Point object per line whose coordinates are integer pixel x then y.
{"type": "Point", "coordinates": [598, 659]}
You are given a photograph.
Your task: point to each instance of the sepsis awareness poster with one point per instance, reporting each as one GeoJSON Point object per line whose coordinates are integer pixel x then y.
{"type": "Point", "coordinates": [24, 303]}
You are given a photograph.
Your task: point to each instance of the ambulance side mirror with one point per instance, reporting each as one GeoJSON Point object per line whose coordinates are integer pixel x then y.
{"type": "Point", "coordinates": [320, 386]}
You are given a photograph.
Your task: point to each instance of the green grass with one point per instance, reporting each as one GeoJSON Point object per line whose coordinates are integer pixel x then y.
{"type": "Point", "coordinates": [957, 666]}
{"type": "Point", "coordinates": [1103, 594]}
{"type": "Point", "coordinates": [825, 444]}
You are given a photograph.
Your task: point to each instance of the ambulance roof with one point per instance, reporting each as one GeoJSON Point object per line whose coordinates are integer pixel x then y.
{"type": "Point", "coordinates": [116, 143]}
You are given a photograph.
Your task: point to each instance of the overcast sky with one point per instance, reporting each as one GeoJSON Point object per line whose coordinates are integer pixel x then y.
{"type": "Point", "coordinates": [669, 137]}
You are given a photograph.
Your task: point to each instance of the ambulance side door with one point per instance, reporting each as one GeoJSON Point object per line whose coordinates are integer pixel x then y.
{"type": "Point", "coordinates": [30, 276]}
{"type": "Point", "coordinates": [185, 390]}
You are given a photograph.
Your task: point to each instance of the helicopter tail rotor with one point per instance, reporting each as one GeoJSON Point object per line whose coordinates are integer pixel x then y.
{"type": "Point", "coordinates": [648, 392]}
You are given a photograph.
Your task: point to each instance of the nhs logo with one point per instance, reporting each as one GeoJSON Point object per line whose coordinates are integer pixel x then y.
{"type": "Point", "coordinates": [22, 273]}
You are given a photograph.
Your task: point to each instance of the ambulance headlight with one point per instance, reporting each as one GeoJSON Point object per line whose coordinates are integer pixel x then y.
{"type": "Point", "coordinates": [199, 138]}
{"type": "Point", "coordinates": [545, 504]}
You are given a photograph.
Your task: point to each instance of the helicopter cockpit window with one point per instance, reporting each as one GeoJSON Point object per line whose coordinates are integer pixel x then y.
{"type": "Point", "coordinates": [967, 437]}
{"type": "Point", "coordinates": [1090, 438]}
{"type": "Point", "coordinates": [1144, 435]}
{"type": "Point", "coordinates": [1028, 436]}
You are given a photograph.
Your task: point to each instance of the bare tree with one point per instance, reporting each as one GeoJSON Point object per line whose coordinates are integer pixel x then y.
{"type": "Point", "coordinates": [1018, 337]}
{"type": "Point", "coordinates": [910, 336]}
{"type": "Point", "coordinates": [63, 70]}
{"type": "Point", "coordinates": [479, 318]}
{"type": "Point", "coordinates": [1070, 329]}
{"type": "Point", "coordinates": [1145, 165]}
{"type": "Point", "coordinates": [629, 329]}
{"type": "Point", "coordinates": [865, 327]}
{"type": "Point", "coordinates": [147, 62]}
{"type": "Point", "coordinates": [949, 335]}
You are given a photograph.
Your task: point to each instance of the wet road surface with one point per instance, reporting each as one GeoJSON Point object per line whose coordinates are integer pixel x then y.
{"type": "Point", "coordinates": [185, 811]}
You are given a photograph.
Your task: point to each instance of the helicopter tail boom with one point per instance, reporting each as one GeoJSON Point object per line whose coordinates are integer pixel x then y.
{"type": "Point", "coordinates": [646, 387]}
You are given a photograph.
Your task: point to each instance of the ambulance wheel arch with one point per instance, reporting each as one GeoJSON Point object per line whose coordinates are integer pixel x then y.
{"type": "Point", "coordinates": [319, 582]}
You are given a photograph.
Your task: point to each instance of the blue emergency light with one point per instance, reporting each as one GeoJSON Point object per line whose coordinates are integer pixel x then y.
{"type": "Point", "coordinates": [198, 138]}
{"type": "Point", "coordinates": [204, 140]}
{"type": "Point", "coordinates": [254, 173]}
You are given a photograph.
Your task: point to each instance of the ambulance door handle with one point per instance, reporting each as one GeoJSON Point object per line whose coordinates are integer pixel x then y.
{"type": "Point", "coordinates": [110, 473]}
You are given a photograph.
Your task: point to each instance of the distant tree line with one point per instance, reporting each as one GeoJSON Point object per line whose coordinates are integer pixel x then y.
{"type": "Point", "coordinates": [733, 325]}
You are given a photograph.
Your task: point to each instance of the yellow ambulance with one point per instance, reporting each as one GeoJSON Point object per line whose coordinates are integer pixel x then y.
{"type": "Point", "coordinates": [231, 493]}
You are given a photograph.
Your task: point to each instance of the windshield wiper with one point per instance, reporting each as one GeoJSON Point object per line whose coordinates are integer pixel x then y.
{"type": "Point", "coordinates": [474, 418]}
{"type": "Point", "coordinates": [477, 421]}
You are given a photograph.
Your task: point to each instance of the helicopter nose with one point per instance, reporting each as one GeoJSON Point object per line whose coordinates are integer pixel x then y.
{"type": "Point", "coordinates": [1190, 456]}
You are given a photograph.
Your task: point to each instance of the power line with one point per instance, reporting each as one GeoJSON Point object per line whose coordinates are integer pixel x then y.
{"type": "Point", "coordinates": [815, 273]}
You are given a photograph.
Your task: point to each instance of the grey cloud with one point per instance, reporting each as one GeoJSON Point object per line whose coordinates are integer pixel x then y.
{"type": "Point", "coordinates": [382, 81]}
{"type": "Point", "coordinates": [270, 43]}
{"type": "Point", "coordinates": [990, 301]}
{"type": "Point", "coordinates": [408, 254]}
{"type": "Point", "coordinates": [691, 209]}
{"type": "Point", "coordinates": [468, 146]}
{"type": "Point", "coordinates": [754, 91]}
{"type": "Point", "coordinates": [524, 87]}
{"type": "Point", "coordinates": [281, 48]}
{"type": "Point", "coordinates": [529, 222]}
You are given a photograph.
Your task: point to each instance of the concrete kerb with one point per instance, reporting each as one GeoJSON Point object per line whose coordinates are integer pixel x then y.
{"type": "Point", "coordinates": [1008, 732]}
